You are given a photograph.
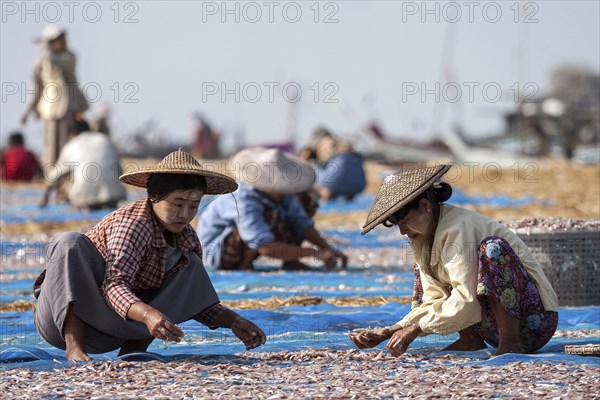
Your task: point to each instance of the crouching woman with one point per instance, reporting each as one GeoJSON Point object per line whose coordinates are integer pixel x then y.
{"type": "Point", "coordinates": [472, 274]}
{"type": "Point", "coordinates": [138, 272]}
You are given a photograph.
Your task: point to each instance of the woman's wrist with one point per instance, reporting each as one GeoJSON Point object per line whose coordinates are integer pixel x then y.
{"type": "Point", "coordinates": [227, 319]}
{"type": "Point", "coordinates": [394, 328]}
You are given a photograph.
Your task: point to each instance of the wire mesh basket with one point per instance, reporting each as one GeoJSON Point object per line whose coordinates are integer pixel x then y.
{"type": "Point", "coordinates": [570, 259]}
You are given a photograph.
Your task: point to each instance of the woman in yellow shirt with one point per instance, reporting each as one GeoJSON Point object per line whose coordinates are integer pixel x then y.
{"type": "Point", "coordinates": [472, 275]}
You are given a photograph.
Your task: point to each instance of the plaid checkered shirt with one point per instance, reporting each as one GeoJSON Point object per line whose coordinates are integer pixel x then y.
{"type": "Point", "coordinates": [132, 244]}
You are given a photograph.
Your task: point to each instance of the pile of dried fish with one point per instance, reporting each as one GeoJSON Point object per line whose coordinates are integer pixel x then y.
{"type": "Point", "coordinates": [554, 224]}
{"type": "Point", "coordinates": [263, 304]}
{"type": "Point", "coordinates": [308, 374]}
{"type": "Point", "coordinates": [305, 300]}
{"type": "Point", "coordinates": [580, 333]}
{"type": "Point", "coordinates": [18, 306]}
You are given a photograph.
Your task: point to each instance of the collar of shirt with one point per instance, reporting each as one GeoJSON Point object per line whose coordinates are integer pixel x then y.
{"type": "Point", "coordinates": [262, 196]}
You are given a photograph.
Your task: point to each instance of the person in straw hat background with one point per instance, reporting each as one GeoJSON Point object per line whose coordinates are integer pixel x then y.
{"type": "Point", "coordinates": [340, 170]}
{"type": "Point", "coordinates": [57, 98]}
{"type": "Point", "coordinates": [138, 272]}
{"type": "Point", "coordinates": [472, 275]}
{"type": "Point", "coordinates": [264, 216]}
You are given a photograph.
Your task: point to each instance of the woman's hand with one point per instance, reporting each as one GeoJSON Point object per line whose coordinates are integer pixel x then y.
{"type": "Point", "coordinates": [330, 258]}
{"type": "Point", "coordinates": [401, 339]}
{"type": "Point", "coordinates": [160, 327]}
{"type": "Point", "coordinates": [248, 332]}
{"type": "Point", "coordinates": [371, 338]}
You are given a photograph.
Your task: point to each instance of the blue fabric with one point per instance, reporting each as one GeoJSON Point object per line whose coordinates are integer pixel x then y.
{"type": "Point", "coordinates": [343, 174]}
{"type": "Point", "coordinates": [321, 326]}
{"type": "Point", "coordinates": [289, 329]}
{"type": "Point", "coordinates": [26, 209]}
{"type": "Point", "coordinates": [245, 209]}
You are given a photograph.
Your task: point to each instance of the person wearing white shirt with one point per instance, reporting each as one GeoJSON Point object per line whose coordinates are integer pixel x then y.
{"type": "Point", "coordinates": [89, 166]}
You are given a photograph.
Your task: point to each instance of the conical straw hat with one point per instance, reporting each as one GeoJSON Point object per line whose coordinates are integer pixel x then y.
{"type": "Point", "coordinates": [273, 171]}
{"type": "Point", "coordinates": [180, 162]}
{"type": "Point", "coordinates": [398, 190]}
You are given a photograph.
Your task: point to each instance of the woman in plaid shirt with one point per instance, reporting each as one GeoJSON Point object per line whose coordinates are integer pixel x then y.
{"type": "Point", "coordinates": [138, 272]}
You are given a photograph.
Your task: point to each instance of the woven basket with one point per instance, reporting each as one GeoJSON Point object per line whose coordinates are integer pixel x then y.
{"type": "Point", "coordinates": [571, 261]}
{"type": "Point", "coordinates": [583, 350]}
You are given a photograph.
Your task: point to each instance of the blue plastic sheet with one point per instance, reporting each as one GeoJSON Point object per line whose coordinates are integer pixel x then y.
{"type": "Point", "coordinates": [292, 329]}
{"type": "Point", "coordinates": [288, 328]}
{"type": "Point", "coordinates": [27, 209]}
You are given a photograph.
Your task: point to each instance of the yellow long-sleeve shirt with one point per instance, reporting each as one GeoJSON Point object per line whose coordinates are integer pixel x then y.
{"type": "Point", "coordinates": [449, 271]}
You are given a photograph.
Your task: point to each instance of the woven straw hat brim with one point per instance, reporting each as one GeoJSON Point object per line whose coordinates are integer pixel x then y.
{"type": "Point", "coordinates": [180, 162]}
{"type": "Point", "coordinates": [272, 171]}
{"type": "Point", "coordinates": [398, 190]}
{"type": "Point", "coordinates": [215, 183]}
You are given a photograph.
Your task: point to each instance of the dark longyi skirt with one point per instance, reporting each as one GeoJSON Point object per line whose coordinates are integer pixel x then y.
{"type": "Point", "coordinates": [75, 272]}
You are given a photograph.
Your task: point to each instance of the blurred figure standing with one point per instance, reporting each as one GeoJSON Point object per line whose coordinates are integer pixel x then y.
{"type": "Point", "coordinates": [89, 165]}
{"type": "Point", "coordinates": [18, 163]}
{"type": "Point", "coordinates": [57, 95]}
{"type": "Point", "coordinates": [206, 140]}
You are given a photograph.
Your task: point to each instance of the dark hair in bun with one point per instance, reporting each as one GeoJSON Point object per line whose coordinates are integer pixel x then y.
{"type": "Point", "coordinates": [435, 195]}
{"type": "Point", "coordinates": [439, 194]}
{"type": "Point", "coordinates": [442, 193]}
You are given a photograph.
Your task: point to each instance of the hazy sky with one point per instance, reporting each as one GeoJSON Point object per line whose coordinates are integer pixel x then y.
{"type": "Point", "coordinates": [415, 66]}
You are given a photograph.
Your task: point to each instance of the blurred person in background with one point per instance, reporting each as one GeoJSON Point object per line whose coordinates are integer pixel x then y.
{"type": "Point", "coordinates": [264, 217]}
{"type": "Point", "coordinates": [87, 170]}
{"type": "Point", "coordinates": [18, 163]}
{"type": "Point", "coordinates": [205, 143]}
{"type": "Point", "coordinates": [57, 97]}
{"type": "Point", "coordinates": [100, 122]}
{"type": "Point", "coordinates": [340, 170]}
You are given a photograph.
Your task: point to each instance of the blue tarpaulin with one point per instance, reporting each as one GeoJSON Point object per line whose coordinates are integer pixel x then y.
{"type": "Point", "coordinates": [288, 328]}
{"type": "Point", "coordinates": [27, 209]}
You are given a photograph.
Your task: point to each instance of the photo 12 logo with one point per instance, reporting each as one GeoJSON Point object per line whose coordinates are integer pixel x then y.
{"type": "Point", "coordinates": [470, 11]}
{"type": "Point", "coordinates": [53, 92]}
{"type": "Point", "coordinates": [269, 92]}
{"type": "Point", "coordinates": [490, 172]}
{"type": "Point", "coordinates": [253, 12]}
{"type": "Point", "coordinates": [51, 12]}
{"type": "Point", "coordinates": [453, 92]}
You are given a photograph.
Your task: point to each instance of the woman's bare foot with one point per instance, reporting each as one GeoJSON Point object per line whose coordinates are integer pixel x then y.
{"type": "Point", "coordinates": [510, 339]}
{"type": "Point", "coordinates": [135, 346]}
{"type": "Point", "coordinates": [73, 332]}
{"type": "Point", "coordinates": [510, 348]}
{"type": "Point", "coordinates": [77, 354]}
{"type": "Point", "coordinates": [468, 341]}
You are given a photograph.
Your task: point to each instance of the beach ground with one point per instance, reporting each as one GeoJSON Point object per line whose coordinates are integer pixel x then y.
{"type": "Point", "coordinates": [560, 189]}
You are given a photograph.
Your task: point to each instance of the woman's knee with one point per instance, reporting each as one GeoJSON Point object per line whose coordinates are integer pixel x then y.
{"type": "Point", "coordinates": [67, 238]}
{"type": "Point", "coordinates": [493, 248]}
{"type": "Point", "coordinates": [61, 244]}
{"type": "Point", "coordinates": [494, 244]}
